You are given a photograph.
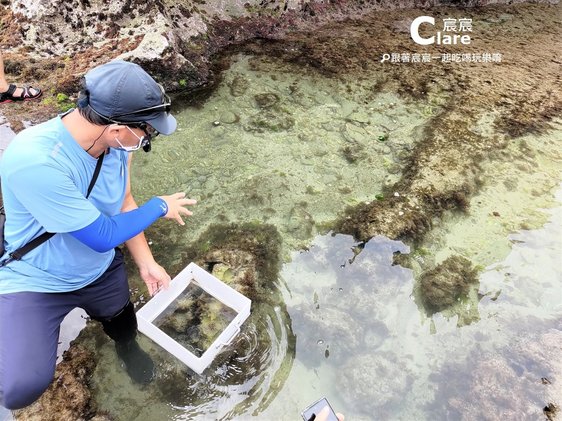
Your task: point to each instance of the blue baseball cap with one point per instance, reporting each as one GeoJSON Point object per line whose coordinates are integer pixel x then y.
{"type": "Point", "coordinates": [124, 93]}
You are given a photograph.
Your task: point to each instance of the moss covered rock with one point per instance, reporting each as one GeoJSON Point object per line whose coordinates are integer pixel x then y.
{"type": "Point", "coordinates": [68, 396]}
{"type": "Point", "coordinates": [447, 283]}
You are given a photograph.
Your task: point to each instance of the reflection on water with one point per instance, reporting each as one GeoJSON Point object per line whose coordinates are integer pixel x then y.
{"type": "Point", "coordinates": [363, 342]}
{"type": "Point", "coordinates": [292, 150]}
{"type": "Point", "coordinates": [242, 379]}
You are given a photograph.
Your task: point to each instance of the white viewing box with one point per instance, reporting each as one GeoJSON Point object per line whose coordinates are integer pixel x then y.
{"type": "Point", "coordinates": [195, 317]}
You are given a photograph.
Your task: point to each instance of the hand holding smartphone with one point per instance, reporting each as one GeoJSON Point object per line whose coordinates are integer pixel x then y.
{"type": "Point", "coordinates": [320, 410]}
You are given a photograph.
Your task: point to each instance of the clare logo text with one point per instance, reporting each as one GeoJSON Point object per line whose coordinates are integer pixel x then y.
{"type": "Point", "coordinates": [453, 32]}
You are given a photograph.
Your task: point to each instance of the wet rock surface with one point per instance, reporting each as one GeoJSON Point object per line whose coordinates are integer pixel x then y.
{"type": "Point", "coordinates": [497, 385]}
{"type": "Point", "coordinates": [68, 397]}
{"type": "Point", "coordinates": [447, 283]}
{"type": "Point", "coordinates": [374, 371]}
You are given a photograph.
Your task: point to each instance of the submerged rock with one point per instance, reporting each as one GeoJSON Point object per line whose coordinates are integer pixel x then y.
{"type": "Point", "coordinates": [229, 117]}
{"type": "Point", "coordinates": [551, 412]}
{"type": "Point", "coordinates": [238, 85]}
{"type": "Point", "coordinates": [353, 152]}
{"type": "Point", "coordinates": [447, 283]}
{"type": "Point", "coordinates": [372, 383]}
{"type": "Point", "coordinates": [197, 320]}
{"type": "Point", "coordinates": [333, 331]}
{"type": "Point", "coordinates": [273, 120]}
{"type": "Point", "coordinates": [266, 100]}
{"type": "Point", "coordinates": [519, 381]}
{"type": "Point", "coordinates": [68, 396]}
{"type": "Point", "coordinates": [245, 256]}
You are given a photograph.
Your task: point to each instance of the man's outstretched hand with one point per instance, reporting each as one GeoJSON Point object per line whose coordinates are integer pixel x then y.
{"type": "Point", "coordinates": [177, 206]}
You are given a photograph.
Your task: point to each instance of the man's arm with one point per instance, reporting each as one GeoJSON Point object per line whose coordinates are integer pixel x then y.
{"type": "Point", "coordinates": [151, 272]}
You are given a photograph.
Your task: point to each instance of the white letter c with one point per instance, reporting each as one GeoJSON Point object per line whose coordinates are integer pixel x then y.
{"type": "Point", "coordinates": [414, 30]}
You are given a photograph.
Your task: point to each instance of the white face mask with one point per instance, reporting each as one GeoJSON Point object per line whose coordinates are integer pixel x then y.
{"type": "Point", "coordinates": [131, 148]}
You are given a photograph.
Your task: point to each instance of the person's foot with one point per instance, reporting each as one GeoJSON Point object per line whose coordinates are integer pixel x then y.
{"type": "Point", "coordinates": [12, 93]}
{"type": "Point", "coordinates": [138, 363]}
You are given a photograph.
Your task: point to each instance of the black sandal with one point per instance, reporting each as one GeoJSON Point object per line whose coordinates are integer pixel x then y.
{"type": "Point", "coordinates": [26, 94]}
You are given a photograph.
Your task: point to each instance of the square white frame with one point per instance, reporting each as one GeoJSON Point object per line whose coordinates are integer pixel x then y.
{"type": "Point", "coordinates": [214, 287]}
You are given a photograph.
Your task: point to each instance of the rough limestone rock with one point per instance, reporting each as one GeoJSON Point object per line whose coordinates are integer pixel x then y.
{"type": "Point", "coordinates": [502, 385]}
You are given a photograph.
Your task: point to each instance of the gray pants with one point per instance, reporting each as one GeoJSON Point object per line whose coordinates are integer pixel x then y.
{"type": "Point", "coordinates": [30, 325]}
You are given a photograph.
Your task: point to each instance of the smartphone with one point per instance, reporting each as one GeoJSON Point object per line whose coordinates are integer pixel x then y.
{"type": "Point", "coordinates": [310, 413]}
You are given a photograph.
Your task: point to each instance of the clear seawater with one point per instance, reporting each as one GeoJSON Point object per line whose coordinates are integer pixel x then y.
{"type": "Point", "coordinates": [292, 150]}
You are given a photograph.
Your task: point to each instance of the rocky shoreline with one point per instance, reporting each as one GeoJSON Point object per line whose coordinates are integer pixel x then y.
{"type": "Point", "coordinates": [53, 44]}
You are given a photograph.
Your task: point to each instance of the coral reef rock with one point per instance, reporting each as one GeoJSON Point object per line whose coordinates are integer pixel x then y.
{"type": "Point", "coordinates": [68, 396]}
{"type": "Point", "coordinates": [372, 383]}
{"type": "Point", "coordinates": [447, 283]}
{"type": "Point", "coordinates": [519, 381]}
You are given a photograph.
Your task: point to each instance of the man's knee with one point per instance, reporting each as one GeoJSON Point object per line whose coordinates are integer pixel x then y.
{"type": "Point", "coordinates": [25, 390]}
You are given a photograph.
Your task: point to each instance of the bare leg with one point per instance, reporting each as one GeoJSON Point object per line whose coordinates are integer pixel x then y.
{"type": "Point", "coordinates": [4, 83]}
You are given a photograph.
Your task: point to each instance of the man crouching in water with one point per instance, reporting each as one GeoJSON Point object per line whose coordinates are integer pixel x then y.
{"type": "Point", "coordinates": [71, 176]}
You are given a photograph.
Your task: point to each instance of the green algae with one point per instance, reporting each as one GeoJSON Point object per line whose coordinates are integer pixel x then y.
{"type": "Point", "coordinates": [195, 319]}
{"type": "Point", "coordinates": [263, 169]}
{"type": "Point", "coordinates": [308, 137]}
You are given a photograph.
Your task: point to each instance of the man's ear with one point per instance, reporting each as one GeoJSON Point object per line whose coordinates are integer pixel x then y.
{"type": "Point", "coordinates": [115, 129]}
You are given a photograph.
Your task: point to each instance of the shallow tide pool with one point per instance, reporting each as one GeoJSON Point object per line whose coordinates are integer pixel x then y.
{"type": "Point", "coordinates": [293, 150]}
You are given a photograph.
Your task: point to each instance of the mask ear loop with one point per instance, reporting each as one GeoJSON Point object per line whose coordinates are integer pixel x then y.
{"type": "Point", "coordinates": [104, 129]}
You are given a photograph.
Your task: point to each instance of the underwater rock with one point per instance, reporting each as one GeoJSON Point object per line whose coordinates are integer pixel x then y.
{"type": "Point", "coordinates": [173, 383]}
{"type": "Point", "coordinates": [228, 117]}
{"type": "Point", "coordinates": [245, 256]}
{"type": "Point", "coordinates": [333, 330]}
{"type": "Point", "coordinates": [444, 285]}
{"type": "Point", "coordinates": [354, 133]}
{"type": "Point", "coordinates": [353, 152]}
{"type": "Point", "coordinates": [551, 412]}
{"type": "Point", "coordinates": [542, 355]}
{"type": "Point", "coordinates": [238, 85]}
{"type": "Point", "coordinates": [266, 100]}
{"type": "Point", "coordinates": [300, 222]}
{"type": "Point", "coordinates": [490, 393]}
{"type": "Point", "coordinates": [374, 382]}
{"type": "Point", "coordinates": [236, 268]}
{"type": "Point", "coordinates": [360, 117]}
{"type": "Point", "coordinates": [519, 381]}
{"type": "Point", "coordinates": [184, 308]}
{"type": "Point", "coordinates": [273, 120]}
{"type": "Point", "coordinates": [68, 396]}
